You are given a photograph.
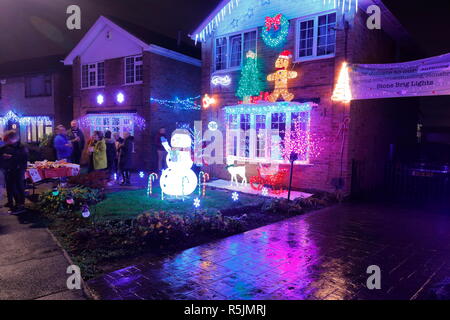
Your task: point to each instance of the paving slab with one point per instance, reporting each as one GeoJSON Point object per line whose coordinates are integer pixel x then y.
{"type": "Point", "coordinates": [32, 265]}
{"type": "Point", "coordinates": [320, 255]}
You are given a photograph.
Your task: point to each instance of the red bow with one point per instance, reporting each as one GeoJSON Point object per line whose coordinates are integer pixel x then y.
{"type": "Point", "coordinates": [275, 22]}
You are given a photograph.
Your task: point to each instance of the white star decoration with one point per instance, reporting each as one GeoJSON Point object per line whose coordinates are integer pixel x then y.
{"type": "Point", "coordinates": [235, 23]}
{"type": "Point", "coordinates": [235, 196]}
{"type": "Point", "coordinates": [265, 192]}
{"type": "Point", "coordinates": [250, 13]}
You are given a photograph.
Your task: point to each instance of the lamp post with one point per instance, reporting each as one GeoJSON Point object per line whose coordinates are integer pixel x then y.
{"type": "Point", "coordinates": [292, 158]}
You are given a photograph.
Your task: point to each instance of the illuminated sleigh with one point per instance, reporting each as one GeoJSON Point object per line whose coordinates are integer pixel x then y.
{"type": "Point", "coordinates": [270, 177]}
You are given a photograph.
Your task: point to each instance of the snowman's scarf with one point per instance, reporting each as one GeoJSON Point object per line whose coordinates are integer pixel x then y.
{"type": "Point", "coordinates": [174, 155]}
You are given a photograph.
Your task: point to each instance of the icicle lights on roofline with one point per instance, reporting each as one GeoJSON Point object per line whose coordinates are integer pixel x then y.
{"type": "Point", "coordinates": [227, 9]}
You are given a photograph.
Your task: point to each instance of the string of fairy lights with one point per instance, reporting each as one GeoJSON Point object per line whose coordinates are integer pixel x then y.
{"type": "Point", "coordinates": [179, 104]}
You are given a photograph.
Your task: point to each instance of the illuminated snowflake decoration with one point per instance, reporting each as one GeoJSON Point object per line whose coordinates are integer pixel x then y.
{"type": "Point", "coordinates": [141, 174]}
{"type": "Point", "coordinates": [235, 196]}
{"type": "Point", "coordinates": [265, 192]}
{"type": "Point", "coordinates": [213, 126]}
{"type": "Point", "coordinates": [197, 202]}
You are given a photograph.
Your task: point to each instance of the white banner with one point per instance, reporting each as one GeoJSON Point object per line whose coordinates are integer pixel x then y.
{"type": "Point", "coordinates": [427, 77]}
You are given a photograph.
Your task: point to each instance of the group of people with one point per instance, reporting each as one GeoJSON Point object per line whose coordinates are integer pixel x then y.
{"type": "Point", "coordinates": [106, 151]}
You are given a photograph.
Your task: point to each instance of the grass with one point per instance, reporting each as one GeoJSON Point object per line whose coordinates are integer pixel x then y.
{"type": "Point", "coordinates": [128, 204]}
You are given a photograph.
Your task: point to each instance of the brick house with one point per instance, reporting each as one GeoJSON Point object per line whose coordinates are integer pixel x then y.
{"type": "Point", "coordinates": [35, 95]}
{"type": "Point", "coordinates": [117, 68]}
{"type": "Point", "coordinates": [357, 131]}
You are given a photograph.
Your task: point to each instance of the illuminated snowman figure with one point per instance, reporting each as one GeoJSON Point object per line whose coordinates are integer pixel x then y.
{"type": "Point", "coordinates": [178, 179]}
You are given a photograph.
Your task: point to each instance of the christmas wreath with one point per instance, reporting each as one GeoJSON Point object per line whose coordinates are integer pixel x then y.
{"type": "Point", "coordinates": [275, 31]}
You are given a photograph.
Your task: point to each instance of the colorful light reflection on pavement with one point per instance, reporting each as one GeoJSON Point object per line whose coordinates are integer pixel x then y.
{"type": "Point", "coordinates": [321, 255]}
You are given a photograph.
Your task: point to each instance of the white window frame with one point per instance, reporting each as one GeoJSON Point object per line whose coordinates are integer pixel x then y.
{"type": "Point", "coordinates": [228, 54]}
{"type": "Point", "coordinates": [93, 126]}
{"type": "Point", "coordinates": [36, 130]}
{"type": "Point", "coordinates": [314, 55]}
{"type": "Point", "coordinates": [232, 133]}
{"type": "Point", "coordinates": [135, 64]}
{"type": "Point", "coordinates": [96, 75]}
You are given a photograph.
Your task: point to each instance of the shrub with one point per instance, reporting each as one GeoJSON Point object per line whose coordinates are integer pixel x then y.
{"type": "Point", "coordinates": [152, 229]}
{"type": "Point", "coordinates": [51, 204]}
{"type": "Point", "coordinates": [166, 227]}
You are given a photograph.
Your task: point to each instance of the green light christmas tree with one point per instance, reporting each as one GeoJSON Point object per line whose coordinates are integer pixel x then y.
{"type": "Point", "coordinates": [251, 82]}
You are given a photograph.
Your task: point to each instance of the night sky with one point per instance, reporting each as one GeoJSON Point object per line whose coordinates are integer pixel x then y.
{"type": "Point", "coordinates": [32, 28]}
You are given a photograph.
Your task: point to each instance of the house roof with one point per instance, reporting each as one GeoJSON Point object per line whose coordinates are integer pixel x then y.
{"type": "Point", "coordinates": [151, 37]}
{"type": "Point", "coordinates": [390, 23]}
{"type": "Point", "coordinates": [29, 66]}
{"type": "Point", "coordinates": [148, 40]}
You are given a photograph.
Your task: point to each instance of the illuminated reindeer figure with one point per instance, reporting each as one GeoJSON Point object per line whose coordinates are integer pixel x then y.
{"type": "Point", "coordinates": [236, 171]}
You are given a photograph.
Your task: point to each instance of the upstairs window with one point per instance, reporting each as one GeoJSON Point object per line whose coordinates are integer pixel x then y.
{"type": "Point", "coordinates": [316, 37]}
{"type": "Point", "coordinates": [230, 50]}
{"type": "Point", "coordinates": [38, 86]}
{"type": "Point", "coordinates": [93, 75]}
{"type": "Point", "coordinates": [133, 70]}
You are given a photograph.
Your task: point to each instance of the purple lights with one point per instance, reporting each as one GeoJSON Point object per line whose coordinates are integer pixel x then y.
{"type": "Point", "coordinates": [120, 98]}
{"type": "Point", "coordinates": [100, 99]}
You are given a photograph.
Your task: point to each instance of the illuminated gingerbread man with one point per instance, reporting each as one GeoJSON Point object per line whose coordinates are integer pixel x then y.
{"type": "Point", "coordinates": [281, 77]}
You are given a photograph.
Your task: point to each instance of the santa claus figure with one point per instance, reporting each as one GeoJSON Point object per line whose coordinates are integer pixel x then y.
{"type": "Point", "coordinates": [281, 77]}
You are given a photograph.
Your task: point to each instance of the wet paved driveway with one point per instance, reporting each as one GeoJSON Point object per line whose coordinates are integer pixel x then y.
{"type": "Point", "coordinates": [320, 255]}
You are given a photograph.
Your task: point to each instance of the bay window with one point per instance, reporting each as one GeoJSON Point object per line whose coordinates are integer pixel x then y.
{"type": "Point", "coordinates": [37, 129]}
{"type": "Point", "coordinates": [256, 134]}
{"type": "Point", "coordinates": [116, 122]}
{"type": "Point", "coordinates": [316, 37]}
{"type": "Point", "coordinates": [230, 51]}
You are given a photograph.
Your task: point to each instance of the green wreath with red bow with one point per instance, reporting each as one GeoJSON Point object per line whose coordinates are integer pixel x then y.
{"type": "Point", "coordinates": [275, 31]}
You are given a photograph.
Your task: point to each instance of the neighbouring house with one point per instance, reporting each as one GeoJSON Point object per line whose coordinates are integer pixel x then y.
{"type": "Point", "coordinates": [35, 96]}
{"type": "Point", "coordinates": [312, 38]}
{"type": "Point", "coordinates": [118, 68]}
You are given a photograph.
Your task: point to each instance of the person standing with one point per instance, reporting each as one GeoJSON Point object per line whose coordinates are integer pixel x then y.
{"type": "Point", "coordinates": [125, 158]}
{"type": "Point", "coordinates": [76, 137]}
{"type": "Point", "coordinates": [162, 153]}
{"type": "Point", "coordinates": [111, 153]}
{"type": "Point", "coordinates": [13, 161]}
{"type": "Point", "coordinates": [98, 150]}
{"type": "Point", "coordinates": [118, 141]}
{"type": "Point", "coordinates": [62, 144]}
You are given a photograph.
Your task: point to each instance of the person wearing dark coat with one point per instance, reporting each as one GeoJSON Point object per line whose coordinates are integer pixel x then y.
{"type": "Point", "coordinates": [118, 141]}
{"type": "Point", "coordinates": [77, 139]}
{"type": "Point", "coordinates": [13, 161]}
{"type": "Point", "coordinates": [111, 152]}
{"type": "Point", "coordinates": [125, 158]}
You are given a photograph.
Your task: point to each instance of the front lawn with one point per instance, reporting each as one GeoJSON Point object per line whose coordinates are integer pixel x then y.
{"type": "Point", "coordinates": [129, 204]}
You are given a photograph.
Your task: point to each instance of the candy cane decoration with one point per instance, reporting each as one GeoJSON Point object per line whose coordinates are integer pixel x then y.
{"type": "Point", "coordinates": [205, 177]}
{"type": "Point", "coordinates": [151, 179]}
